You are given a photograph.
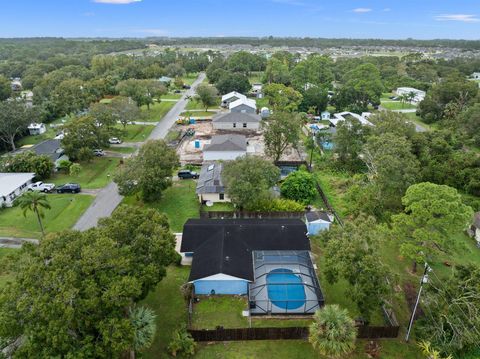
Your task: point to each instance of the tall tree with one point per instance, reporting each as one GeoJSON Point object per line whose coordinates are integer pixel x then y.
{"type": "Point", "coordinates": [125, 110]}
{"type": "Point", "coordinates": [432, 216]}
{"type": "Point", "coordinates": [277, 71]}
{"type": "Point", "coordinates": [28, 161]}
{"type": "Point", "coordinates": [248, 180]}
{"type": "Point", "coordinates": [207, 95]}
{"type": "Point", "coordinates": [281, 130]}
{"type": "Point", "coordinates": [35, 202]}
{"type": "Point", "coordinates": [228, 82]}
{"type": "Point", "coordinates": [282, 98]}
{"type": "Point", "coordinates": [135, 89]}
{"type": "Point", "coordinates": [148, 173]}
{"type": "Point", "coordinates": [333, 332]}
{"type": "Point", "coordinates": [349, 139]}
{"type": "Point", "coordinates": [299, 186]}
{"type": "Point", "coordinates": [14, 119]}
{"type": "Point", "coordinates": [5, 88]}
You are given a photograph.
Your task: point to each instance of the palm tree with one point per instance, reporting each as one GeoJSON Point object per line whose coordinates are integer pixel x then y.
{"type": "Point", "coordinates": [431, 353]}
{"type": "Point", "coordinates": [143, 321]}
{"type": "Point", "coordinates": [333, 332]}
{"type": "Point", "coordinates": [35, 202]}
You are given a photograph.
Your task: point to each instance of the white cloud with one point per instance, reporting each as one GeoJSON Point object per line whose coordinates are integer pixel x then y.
{"type": "Point", "coordinates": [457, 17]}
{"type": "Point", "coordinates": [361, 10]}
{"type": "Point", "coordinates": [116, 2]}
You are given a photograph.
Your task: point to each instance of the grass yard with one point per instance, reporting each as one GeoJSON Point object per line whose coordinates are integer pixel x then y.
{"type": "Point", "coordinates": [190, 78]}
{"type": "Point", "coordinates": [157, 111]}
{"type": "Point", "coordinates": [198, 114]}
{"type": "Point", "coordinates": [334, 185]}
{"type": "Point", "coordinates": [197, 105]}
{"type": "Point", "coordinates": [225, 311]}
{"type": "Point", "coordinates": [417, 120]}
{"type": "Point", "coordinates": [172, 96]}
{"type": "Point", "coordinates": [179, 203]}
{"type": "Point", "coordinates": [66, 210]}
{"type": "Point", "coordinates": [256, 77]}
{"type": "Point", "coordinates": [171, 310]}
{"type": "Point", "coordinates": [122, 149]}
{"type": "Point", "coordinates": [95, 174]}
{"type": "Point", "coordinates": [397, 105]}
{"type": "Point", "coordinates": [221, 207]}
{"type": "Point", "coordinates": [135, 133]}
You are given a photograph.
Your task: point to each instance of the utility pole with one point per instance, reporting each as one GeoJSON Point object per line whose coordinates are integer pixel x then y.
{"type": "Point", "coordinates": [422, 282]}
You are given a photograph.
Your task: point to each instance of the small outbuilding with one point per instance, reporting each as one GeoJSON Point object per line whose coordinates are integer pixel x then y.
{"type": "Point", "coordinates": [318, 221]}
{"type": "Point", "coordinates": [36, 128]}
{"type": "Point", "coordinates": [13, 185]}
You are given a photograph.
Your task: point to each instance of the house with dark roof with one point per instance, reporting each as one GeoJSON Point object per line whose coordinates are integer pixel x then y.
{"type": "Point", "coordinates": [225, 147]}
{"type": "Point", "coordinates": [51, 148]}
{"type": "Point", "coordinates": [210, 186]}
{"type": "Point", "coordinates": [267, 260]}
{"type": "Point", "coordinates": [236, 121]}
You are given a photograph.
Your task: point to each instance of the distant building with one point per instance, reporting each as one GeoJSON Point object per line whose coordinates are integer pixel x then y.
{"type": "Point", "coordinates": [13, 185]}
{"type": "Point", "coordinates": [419, 94]}
{"type": "Point", "coordinates": [36, 128]}
{"type": "Point", "coordinates": [325, 115]}
{"type": "Point", "coordinates": [476, 76]}
{"type": "Point", "coordinates": [225, 147]}
{"type": "Point", "coordinates": [243, 105]}
{"type": "Point", "coordinates": [210, 186]}
{"type": "Point", "coordinates": [257, 90]}
{"type": "Point", "coordinates": [236, 121]}
{"type": "Point", "coordinates": [165, 80]}
{"type": "Point", "coordinates": [230, 97]}
{"type": "Point", "coordinates": [16, 85]}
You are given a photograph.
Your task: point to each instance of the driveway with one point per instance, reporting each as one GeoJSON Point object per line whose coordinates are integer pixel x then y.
{"type": "Point", "coordinates": [108, 197]}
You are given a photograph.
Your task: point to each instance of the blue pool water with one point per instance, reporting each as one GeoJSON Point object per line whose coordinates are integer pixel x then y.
{"type": "Point", "coordinates": [283, 289]}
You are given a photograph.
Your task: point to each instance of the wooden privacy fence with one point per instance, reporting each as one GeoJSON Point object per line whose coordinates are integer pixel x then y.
{"type": "Point", "coordinates": [240, 334]}
{"type": "Point", "coordinates": [246, 214]}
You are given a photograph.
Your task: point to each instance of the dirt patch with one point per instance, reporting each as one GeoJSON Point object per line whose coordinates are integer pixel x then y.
{"type": "Point", "coordinates": [410, 292]}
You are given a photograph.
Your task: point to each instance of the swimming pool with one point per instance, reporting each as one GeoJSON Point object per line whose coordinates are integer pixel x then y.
{"type": "Point", "coordinates": [285, 289]}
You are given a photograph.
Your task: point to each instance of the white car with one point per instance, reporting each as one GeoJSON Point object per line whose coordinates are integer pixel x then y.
{"type": "Point", "coordinates": [41, 187]}
{"type": "Point", "coordinates": [114, 141]}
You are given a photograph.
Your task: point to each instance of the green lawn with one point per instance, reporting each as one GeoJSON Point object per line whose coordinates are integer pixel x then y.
{"type": "Point", "coordinates": [171, 310]}
{"type": "Point", "coordinates": [171, 96]}
{"type": "Point", "coordinates": [135, 133]}
{"type": "Point", "coordinates": [197, 105]}
{"type": "Point", "coordinates": [256, 77]}
{"type": "Point", "coordinates": [95, 174]}
{"type": "Point", "coordinates": [65, 211]}
{"type": "Point", "coordinates": [397, 105]}
{"type": "Point", "coordinates": [179, 203]}
{"type": "Point", "coordinates": [122, 149]}
{"type": "Point", "coordinates": [221, 207]}
{"type": "Point", "coordinates": [198, 114]}
{"type": "Point", "coordinates": [225, 311]}
{"type": "Point", "coordinates": [189, 79]}
{"type": "Point", "coordinates": [418, 120]}
{"type": "Point", "coordinates": [157, 111]}
{"type": "Point", "coordinates": [334, 185]}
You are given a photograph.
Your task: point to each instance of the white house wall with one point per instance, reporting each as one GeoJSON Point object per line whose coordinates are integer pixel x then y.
{"type": "Point", "coordinates": [238, 127]}
{"type": "Point", "coordinates": [222, 155]}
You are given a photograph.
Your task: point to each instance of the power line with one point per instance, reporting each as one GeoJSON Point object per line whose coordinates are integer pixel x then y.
{"type": "Point", "coordinates": [412, 318]}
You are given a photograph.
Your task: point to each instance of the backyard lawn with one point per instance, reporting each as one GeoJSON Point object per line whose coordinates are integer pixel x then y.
{"type": "Point", "coordinates": [179, 203]}
{"type": "Point", "coordinates": [121, 149]}
{"type": "Point", "coordinates": [334, 185]}
{"type": "Point", "coordinates": [157, 111]}
{"type": "Point", "coordinates": [172, 96]}
{"type": "Point", "coordinates": [225, 311]}
{"type": "Point", "coordinates": [221, 207]}
{"type": "Point", "coordinates": [190, 78]}
{"type": "Point", "coordinates": [66, 210]}
{"type": "Point", "coordinates": [256, 77]}
{"type": "Point", "coordinates": [135, 133]}
{"type": "Point", "coordinates": [95, 174]}
{"type": "Point", "coordinates": [397, 105]}
{"type": "Point", "coordinates": [197, 105]}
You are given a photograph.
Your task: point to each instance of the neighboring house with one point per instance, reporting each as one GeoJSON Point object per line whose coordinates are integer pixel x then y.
{"type": "Point", "coordinates": [318, 221]}
{"type": "Point", "coordinates": [230, 97]}
{"type": "Point", "coordinates": [13, 185]}
{"type": "Point", "coordinates": [16, 85]}
{"type": "Point", "coordinates": [51, 148]}
{"type": "Point", "coordinates": [165, 80]}
{"type": "Point", "coordinates": [342, 116]}
{"type": "Point", "coordinates": [36, 128]}
{"type": "Point", "coordinates": [210, 186]}
{"type": "Point", "coordinates": [243, 105]}
{"type": "Point", "coordinates": [266, 259]}
{"type": "Point", "coordinates": [257, 90]}
{"type": "Point", "coordinates": [475, 228]}
{"type": "Point", "coordinates": [419, 94]}
{"type": "Point", "coordinates": [325, 115]}
{"type": "Point", "coordinates": [236, 121]}
{"type": "Point", "coordinates": [476, 76]}
{"type": "Point", "coordinates": [225, 147]}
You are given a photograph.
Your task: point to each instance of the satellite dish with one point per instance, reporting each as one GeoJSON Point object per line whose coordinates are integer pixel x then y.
{"type": "Point", "coordinates": [209, 203]}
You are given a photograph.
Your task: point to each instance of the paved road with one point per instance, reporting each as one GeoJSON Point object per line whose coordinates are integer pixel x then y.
{"type": "Point", "coordinates": [171, 117]}
{"type": "Point", "coordinates": [8, 242]}
{"type": "Point", "coordinates": [108, 198]}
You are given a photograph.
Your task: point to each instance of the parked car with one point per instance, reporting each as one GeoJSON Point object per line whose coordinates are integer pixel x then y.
{"type": "Point", "coordinates": [186, 174]}
{"type": "Point", "coordinates": [69, 188]}
{"type": "Point", "coordinates": [186, 87]}
{"type": "Point", "coordinates": [114, 141]}
{"type": "Point", "coordinates": [98, 153]}
{"type": "Point", "coordinates": [177, 91]}
{"type": "Point", "coordinates": [41, 187]}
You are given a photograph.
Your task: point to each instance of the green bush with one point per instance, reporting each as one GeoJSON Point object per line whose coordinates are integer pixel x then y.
{"type": "Point", "coordinates": [28, 161]}
{"type": "Point", "coordinates": [277, 205]}
{"type": "Point", "coordinates": [182, 343]}
{"type": "Point", "coordinates": [299, 186]}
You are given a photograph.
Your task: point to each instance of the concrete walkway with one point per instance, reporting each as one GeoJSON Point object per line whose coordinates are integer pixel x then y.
{"type": "Point", "coordinates": [16, 243]}
{"type": "Point", "coordinates": [108, 197]}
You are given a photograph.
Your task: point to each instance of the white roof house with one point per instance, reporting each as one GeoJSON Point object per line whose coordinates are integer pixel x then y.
{"type": "Point", "coordinates": [36, 128]}
{"type": "Point", "coordinates": [342, 116]}
{"type": "Point", "coordinates": [419, 94]}
{"type": "Point", "coordinates": [476, 75]}
{"type": "Point", "coordinates": [13, 185]}
{"type": "Point", "coordinates": [243, 105]}
{"type": "Point", "coordinates": [232, 96]}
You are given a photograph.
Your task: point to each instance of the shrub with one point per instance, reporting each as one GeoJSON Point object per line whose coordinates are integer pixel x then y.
{"type": "Point", "coordinates": [182, 343]}
{"type": "Point", "coordinates": [75, 169]}
{"type": "Point", "coordinates": [299, 186]}
{"type": "Point", "coordinates": [277, 205]}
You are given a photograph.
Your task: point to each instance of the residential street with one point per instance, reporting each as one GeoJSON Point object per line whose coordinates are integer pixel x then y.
{"type": "Point", "coordinates": [108, 198]}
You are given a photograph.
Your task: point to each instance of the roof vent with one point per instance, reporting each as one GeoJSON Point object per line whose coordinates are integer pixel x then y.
{"type": "Point", "coordinates": [227, 258]}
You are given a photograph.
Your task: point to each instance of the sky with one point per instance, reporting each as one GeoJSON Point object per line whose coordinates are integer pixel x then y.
{"type": "Point", "coordinates": [419, 19]}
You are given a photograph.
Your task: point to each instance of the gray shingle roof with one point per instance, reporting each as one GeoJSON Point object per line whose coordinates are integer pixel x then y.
{"type": "Point", "coordinates": [210, 180]}
{"type": "Point", "coordinates": [227, 143]}
{"type": "Point", "coordinates": [51, 148]}
{"type": "Point", "coordinates": [316, 215]}
{"type": "Point", "coordinates": [236, 117]}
